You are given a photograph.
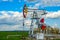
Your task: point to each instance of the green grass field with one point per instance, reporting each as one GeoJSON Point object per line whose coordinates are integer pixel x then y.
{"type": "Point", "coordinates": [4, 34]}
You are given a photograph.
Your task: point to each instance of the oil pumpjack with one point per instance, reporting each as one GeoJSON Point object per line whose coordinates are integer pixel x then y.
{"type": "Point", "coordinates": [39, 23]}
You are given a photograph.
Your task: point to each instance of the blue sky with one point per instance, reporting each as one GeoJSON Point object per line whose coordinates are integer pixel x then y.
{"type": "Point", "coordinates": [11, 12]}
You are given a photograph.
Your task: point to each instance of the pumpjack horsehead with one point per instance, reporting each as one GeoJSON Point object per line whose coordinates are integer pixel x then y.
{"type": "Point", "coordinates": [25, 10]}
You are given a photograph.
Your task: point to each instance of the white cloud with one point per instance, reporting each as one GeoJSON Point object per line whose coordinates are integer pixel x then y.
{"type": "Point", "coordinates": [12, 20]}
{"type": "Point", "coordinates": [53, 14]}
{"type": "Point", "coordinates": [11, 14]}
{"type": "Point", "coordinates": [10, 17]}
{"type": "Point", "coordinates": [44, 3]}
{"type": "Point", "coordinates": [51, 2]}
{"type": "Point", "coordinates": [10, 28]}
